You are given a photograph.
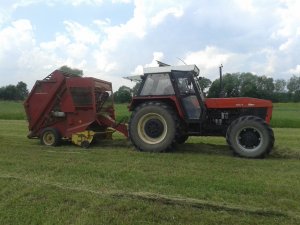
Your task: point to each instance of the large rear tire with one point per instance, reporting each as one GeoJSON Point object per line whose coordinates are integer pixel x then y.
{"type": "Point", "coordinates": [250, 137]}
{"type": "Point", "coordinates": [152, 127]}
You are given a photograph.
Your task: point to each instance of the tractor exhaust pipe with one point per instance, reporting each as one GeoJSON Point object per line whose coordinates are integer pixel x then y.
{"type": "Point", "coordinates": [221, 94]}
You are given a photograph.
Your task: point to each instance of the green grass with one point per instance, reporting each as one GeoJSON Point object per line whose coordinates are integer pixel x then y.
{"type": "Point", "coordinates": [12, 110]}
{"type": "Point", "coordinates": [285, 115]}
{"type": "Point", "coordinates": [111, 183]}
{"type": "Point", "coordinates": [122, 112]}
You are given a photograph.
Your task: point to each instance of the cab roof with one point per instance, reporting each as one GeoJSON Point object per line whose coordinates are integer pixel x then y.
{"type": "Point", "coordinates": [164, 69]}
{"type": "Point", "coordinates": [168, 69]}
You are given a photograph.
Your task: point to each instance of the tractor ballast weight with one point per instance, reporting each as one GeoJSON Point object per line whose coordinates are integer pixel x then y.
{"type": "Point", "coordinates": [64, 106]}
{"type": "Point", "coordinates": [170, 106]}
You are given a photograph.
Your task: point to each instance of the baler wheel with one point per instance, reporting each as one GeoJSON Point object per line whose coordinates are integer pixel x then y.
{"type": "Point", "coordinates": [152, 127]}
{"type": "Point", "coordinates": [50, 137]}
{"type": "Point", "coordinates": [85, 144]}
{"type": "Point", "coordinates": [250, 137]}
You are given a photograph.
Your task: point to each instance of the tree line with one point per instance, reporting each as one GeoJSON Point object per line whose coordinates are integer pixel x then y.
{"type": "Point", "coordinates": [14, 92]}
{"type": "Point", "coordinates": [237, 85]}
{"type": "Point", "coordinates": [234, 85]}
{"type": "Point", "coordinates": [20, 91]}
{"type": "Point", "coordinates": [250, 85]}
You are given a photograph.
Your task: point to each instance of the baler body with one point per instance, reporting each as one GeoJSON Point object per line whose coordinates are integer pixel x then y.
{"type": "Point", "coordinates": [70, 105]}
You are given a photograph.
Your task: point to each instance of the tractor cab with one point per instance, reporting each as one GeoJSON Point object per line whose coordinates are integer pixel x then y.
{"type": "Point", "coordinates": [177, 84]}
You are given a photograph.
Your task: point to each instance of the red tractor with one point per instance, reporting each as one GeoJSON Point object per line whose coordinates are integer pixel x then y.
{"type": "Point", "coordinates": [170, 106]}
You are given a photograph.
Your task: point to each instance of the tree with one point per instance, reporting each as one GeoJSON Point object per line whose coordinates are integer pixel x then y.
{"type": "Point", "coordinates": [248, 83]}
{"type": "Point", "coordinates": [214, 89]}
{"type": "Point", "coordinates": [123, 95]}
{"type": "Point", "coordinates": [22, 90]}
{"type": "Point", "coordinates": [293, 84]}
{"type": "Point", "coordinates": [231, 85]}
{"type": "Point", "coordinates": [265, 87]}
{"type": "Point", "coordinates": [204, 83]}
{"type": "Point", "coordinates": [136, 88]}
{"type": "Point", "coordinates": [279, 85]}
{"type": "Point", "coordinates": [12, 92]}
{"type": "Point", "coordinates": [296, 97]}
{"type": "Point", "coordinates": [294, 88]}
{"type": "Point", "coordinates": [72, 71]}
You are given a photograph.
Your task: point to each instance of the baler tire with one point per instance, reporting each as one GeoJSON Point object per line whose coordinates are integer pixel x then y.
{"type": "Point", "coordinates": [50, 137]}
{"type": "Point", "coordinates": [85, 144]}
{"type": "Point", "coordinates": [153, 126]}
{"type": "Point", "coordinates": [250, 137]}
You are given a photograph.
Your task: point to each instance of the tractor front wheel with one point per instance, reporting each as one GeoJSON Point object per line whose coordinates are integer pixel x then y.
{"type": "Point", "coordinates": [152, 127]}
{"type": "Point", "coordinates": [50, 137]}
{"type": "Point", "coordinates": [250, 137]}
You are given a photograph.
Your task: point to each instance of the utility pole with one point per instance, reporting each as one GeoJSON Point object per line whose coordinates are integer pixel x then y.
{"type": "Point", "coordinates": [221, 95]}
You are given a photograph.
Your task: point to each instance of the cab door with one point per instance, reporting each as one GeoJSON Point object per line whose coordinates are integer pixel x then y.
{"type": "Point", "coordinates": [188, 94]}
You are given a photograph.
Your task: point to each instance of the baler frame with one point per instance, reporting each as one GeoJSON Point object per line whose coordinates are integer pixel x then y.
{"type": "Point", "coordinates": [64, 106]}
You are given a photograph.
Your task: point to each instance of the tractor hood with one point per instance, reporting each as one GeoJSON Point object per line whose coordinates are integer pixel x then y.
{"type": "Point", "coordinates": [226, 103]}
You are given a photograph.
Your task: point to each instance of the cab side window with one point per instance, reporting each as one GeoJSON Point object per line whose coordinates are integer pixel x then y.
{"type": "Point", "coordinates": [185, 85]}
{"type": "Point", "coordinates": [157, 84]}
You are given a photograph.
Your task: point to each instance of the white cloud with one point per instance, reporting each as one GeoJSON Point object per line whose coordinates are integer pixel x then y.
{"type": "Point", "coordinates": [103, 63]}
{"type": "Point", "coordinates": [77, 50]}
{"type": "Point", "coordinates": [246, 5]}
{"type": "Point", "coordinates": [15, 40]}
{"type": "Point", "coordinates": [135, 27]}
{"type": "Point", "coordinates": [160, 16]}
{"type": "Point", "coordinates": [81, 34]}
{"type": "Point", "coordinates": [60, 42]}
{"type": "Point", "coordinates": [18, 35]}
{"type": "Point", "coordinates": [25, 3]}
{"type": "Point", "coordinates": [209, 58]}
{"type": "Point", "coordinates": [121, 1]}
{"type": "Point", "coordinates": [289, 19]}
{"type": "Point", "coordinates": [102, 23]}
{"type": "Point", "coordinates": [80, 2]}
{"type": "Point", "coordinates": [251, 35]}
{"type": "Point", "coordinates": [157, 56]}
{"type": "Point", "coordinates": [295, 70]}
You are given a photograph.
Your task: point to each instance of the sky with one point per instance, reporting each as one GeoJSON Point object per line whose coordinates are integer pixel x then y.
{"type": "Point", "coordinates": [110, 39]}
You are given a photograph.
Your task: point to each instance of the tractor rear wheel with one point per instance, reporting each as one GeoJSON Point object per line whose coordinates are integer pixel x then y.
{"type": "Point", "coordinates": [250, 137]}
{"type": "Point", "coordinates": [50, 137]}
{"type": "Point", "coordinates": [152, 127]}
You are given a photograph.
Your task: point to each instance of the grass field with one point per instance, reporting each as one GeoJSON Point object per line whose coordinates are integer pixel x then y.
{"type": "Point", "coordinates": [10, 110]}
{"type": "Point", "coordinates": [285, 115]}
{"type": "Point", "coordinates": [199, 183]}
{"type": "Point", "coordinates": [111, 183]}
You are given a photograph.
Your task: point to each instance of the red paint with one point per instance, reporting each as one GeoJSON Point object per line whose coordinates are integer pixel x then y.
{"type": "Point", "coordinates": [230, 103]}
{"type": "Point", "coordinates": [54, 94]}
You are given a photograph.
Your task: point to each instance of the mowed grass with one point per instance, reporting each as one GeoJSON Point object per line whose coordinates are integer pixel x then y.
{"type": "Point", "coordinates": [111, 183]}
{"type": "Point", "coordinates": [12, 110]}
{"type": "Point", "coordinates": [285, 115]}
